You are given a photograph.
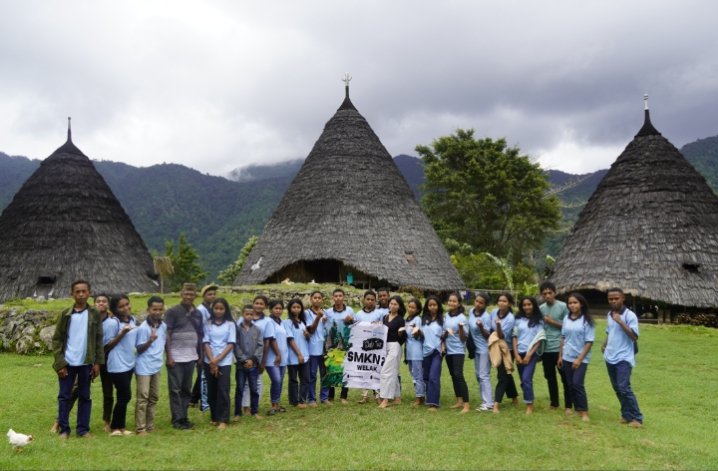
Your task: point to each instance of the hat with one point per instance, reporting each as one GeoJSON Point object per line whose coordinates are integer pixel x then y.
{"type": "Point", "coordinates": [208, 288]}
{"type": "Point", "coordinates": [189, 287]}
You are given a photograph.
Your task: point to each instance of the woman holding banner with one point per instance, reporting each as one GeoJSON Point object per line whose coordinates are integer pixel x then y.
{"type": "Point", "coordinates": [389, 387]}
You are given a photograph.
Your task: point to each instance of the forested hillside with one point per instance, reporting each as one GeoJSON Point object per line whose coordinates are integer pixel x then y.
{"type": "Point", "coordinates": [218, 214]}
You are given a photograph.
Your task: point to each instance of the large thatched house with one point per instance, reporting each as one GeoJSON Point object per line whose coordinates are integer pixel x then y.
{"type": "Point", "coordinates": [651, 228]}
{"type": "Point", "coordinates": [347, 214]}
{"type": "Point", "coordinates": [64, 224]}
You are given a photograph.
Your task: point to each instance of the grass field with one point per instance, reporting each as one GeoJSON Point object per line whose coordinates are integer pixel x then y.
{"type": "Point", "coordinates": [675, 382]}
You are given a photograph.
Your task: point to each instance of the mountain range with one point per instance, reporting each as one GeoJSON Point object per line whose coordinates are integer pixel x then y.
{"type": "Point", "coordinates": [218, 214]}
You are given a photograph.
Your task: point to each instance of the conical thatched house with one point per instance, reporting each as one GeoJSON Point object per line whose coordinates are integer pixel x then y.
{"type": "Point", "coordinates": [65, 223]}
{"type": "Point", "coordinates": [349, 213]}
{"type": "Point", "coordinates": [651, 228]}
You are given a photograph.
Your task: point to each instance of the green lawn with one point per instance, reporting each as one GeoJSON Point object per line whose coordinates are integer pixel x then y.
{"type": "Point", "coordinates": [675, 381]}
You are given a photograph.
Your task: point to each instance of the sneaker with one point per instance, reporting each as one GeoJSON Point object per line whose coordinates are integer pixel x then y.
{"type": "Point", "coordinates": [484, 408]}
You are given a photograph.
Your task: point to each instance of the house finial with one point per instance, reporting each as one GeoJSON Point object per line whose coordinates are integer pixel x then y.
{"type": "Point", "coordinates": [647, 129]}
{"type": "Point", "coordinates": [69, 129]}
{"type": "Point", "coordinates": [347, 78]}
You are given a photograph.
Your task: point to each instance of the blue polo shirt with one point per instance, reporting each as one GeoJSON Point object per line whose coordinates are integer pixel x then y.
{"type": "Point", "coordinates": [150, 361]}
{"type": "Point", "coordinates": [279, 333]}
{"type": "Point", "coordinates": [620, 346]}
{"type": "Point", "coordinates": [507, 326]}
{"type": "Point", "coordinates": [337, 317]}
{"type": "Point", "coordinates": [373, 316]}
{"type": "Point", "coordinates": [525, 333]}
{"type": "Point", "coordinates": [123, 356]}
{"type": "Point", "coordinates": [575, 334]}
{"type": "Point", "coordinates": [218, 337]}
{"type": "Point", "coordinates": [414, 346]}
{"type": "Point", "coordinates": [481, 344]}
{"type": "Point", "coordinates": [317, 339]}
{"type": "Point", "coordinates": [432, 338]}
{"type": "Point", "coordinates": [454, 345]}
{"type": "Point", "coordinates": [76, 345]}
{"type": "Point", "coordinates": [296, 333]}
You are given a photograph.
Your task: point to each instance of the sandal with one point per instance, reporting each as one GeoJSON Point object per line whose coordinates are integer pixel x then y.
{"type": "Point", "coordinates": [272, 412]}
{"type": "Point", "coordinates": [281, 409]}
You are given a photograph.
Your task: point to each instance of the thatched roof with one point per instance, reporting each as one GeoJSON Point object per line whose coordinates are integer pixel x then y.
{"type": "Point", "coordinates": [650, 227]}
{"type": "Point", "coordinates": [65, 223]}
{"type": "Point", "coordinates": [350, 203]}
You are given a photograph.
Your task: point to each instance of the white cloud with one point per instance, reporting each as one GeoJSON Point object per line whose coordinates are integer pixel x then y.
{"type": "Point", "coordinates": [220, 84]}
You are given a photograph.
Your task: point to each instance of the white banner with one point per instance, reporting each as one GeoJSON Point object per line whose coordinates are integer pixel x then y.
{"type": "Point", "coordinates": [365, 355]}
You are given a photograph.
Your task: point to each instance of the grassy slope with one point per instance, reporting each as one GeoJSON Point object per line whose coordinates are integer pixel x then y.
{"type": "Point", "coordinates": [674, 381]}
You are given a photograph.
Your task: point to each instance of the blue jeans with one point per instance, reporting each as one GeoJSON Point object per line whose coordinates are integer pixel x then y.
{"type": "Point", "coordinates": [576, 392]}
{"type": "Point", "coordinates": [246, 376]}
{"type": "Point", "coordinates": [84, 404]}
{"type": "Point", "coordinates": [417, 375]}
{"type": "Point", "coordinates": [526, 373]}
{"type": "Point", "coordinates": [316, 364]}
{"type": "Point", "coordinates": [432, 378]}
{"type": "Point", "coordinates": [482, 368]}
{"type": "Point", "coordinates": [620, 375]}
{"type": "Point", "coordinates": [276, 376]}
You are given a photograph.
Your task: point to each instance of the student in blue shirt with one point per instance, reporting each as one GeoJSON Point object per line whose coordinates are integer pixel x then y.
{"type": "Point", "coordinates": [220, 337]}
{"type": "Point", "coordinates": [528, 339]}
{"type": "Point", "coordinates": [432, 321]}
{"type": "Point", "coordinates": [259, 303]}
{"type": "Point", "coordinates": [577, 337]}
{"type": "Point", "coordinates": [150, 344]}
{"type": "Point", "coordinates": [368, 313]}
{"type": "Point", "coordinates": [77, 350]}
{"type": "Point", "coordinates": [455, 335]}
{"type": "Point", "coordinates": [479, 330]}
{"type": "Point", "coordinates": [298, 362]}
{"type": "Point", "coordinates": [337, 314]}
{"type": "Point", "coordinates": [502, 322]}
{"type": "Point", "coordinates": [120, 338]}
{"type": "Point", "coordinates": [318, 326]}
{"type": "Point", "coordinates": [619, 351]}
{"type": "Point", "coordinates": [276, 360]}
{"type": "Point", "coordinates": [414, 346]}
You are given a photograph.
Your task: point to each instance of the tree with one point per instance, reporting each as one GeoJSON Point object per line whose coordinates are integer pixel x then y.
{"type": "Point", "coordinates": [184, 262]}
{"type": "Point", "coordinates": [229, 274]}
{"type": "Point", "coordinates": [487, 196]}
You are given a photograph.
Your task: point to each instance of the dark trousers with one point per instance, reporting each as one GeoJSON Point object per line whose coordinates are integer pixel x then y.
{"type": "Point", "coordinates": [504, 385]}
{"type": "Point", "coordinates": [298, 383]}
{"type": "Point", "coordinates": [620, 376]}
{"type": "Point", "coordinates": [316, 365]}
{"type": "Point", "coordinates": [455, 364]}
{"type": "Point", "coordinates": [108, 399]}
{"type": "Point", "coordinates": [432, 378]}
{"type": "Point", "coordinates": [218, 393]}
{"type": "Point", "coordinates": [276, 376]}
{"type": "Point", "coordinates": [574, 380]}
{"type": "Point", "coordinates": [123, 385]}
{"type": "Point", "coordinates": [179, 381]}
{"type": "Point", "coordinates": [526, 373]}
{"type": "Point", "coordinates": [81, 374]}
{"type": "Point", "coordinates": [549, 361]}
{"type": "Point", "coordinates": [244, 376]}
{"type": "Point", "coordinates": [73, 399]}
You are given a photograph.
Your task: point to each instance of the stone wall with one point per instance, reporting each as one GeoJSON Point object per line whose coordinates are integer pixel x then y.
{"type": "Point", "coordinates": [26, 331]}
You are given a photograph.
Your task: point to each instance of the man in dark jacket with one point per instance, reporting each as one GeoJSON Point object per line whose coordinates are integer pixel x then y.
{"type": "Point", "coordinates": [77, 346]}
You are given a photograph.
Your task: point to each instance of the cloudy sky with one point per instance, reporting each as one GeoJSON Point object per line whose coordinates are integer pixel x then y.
{"type": "Point", "coordinates": [217, 85]}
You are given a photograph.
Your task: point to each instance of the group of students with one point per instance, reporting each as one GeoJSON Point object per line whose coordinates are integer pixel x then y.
{"type": "Point", "coordinates": [105, 341]}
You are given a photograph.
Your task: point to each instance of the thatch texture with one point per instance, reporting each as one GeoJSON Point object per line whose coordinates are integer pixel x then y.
{"type": "Point", "coordinates": [651, 228]}
{"type": "Point", "coordinates": [65, 223]}
{"type": "Point", "coordinates": [350, 204]}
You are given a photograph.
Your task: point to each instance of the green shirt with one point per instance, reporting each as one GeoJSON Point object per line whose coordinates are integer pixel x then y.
{"type": "Point", "coordinates": [557, 311]}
